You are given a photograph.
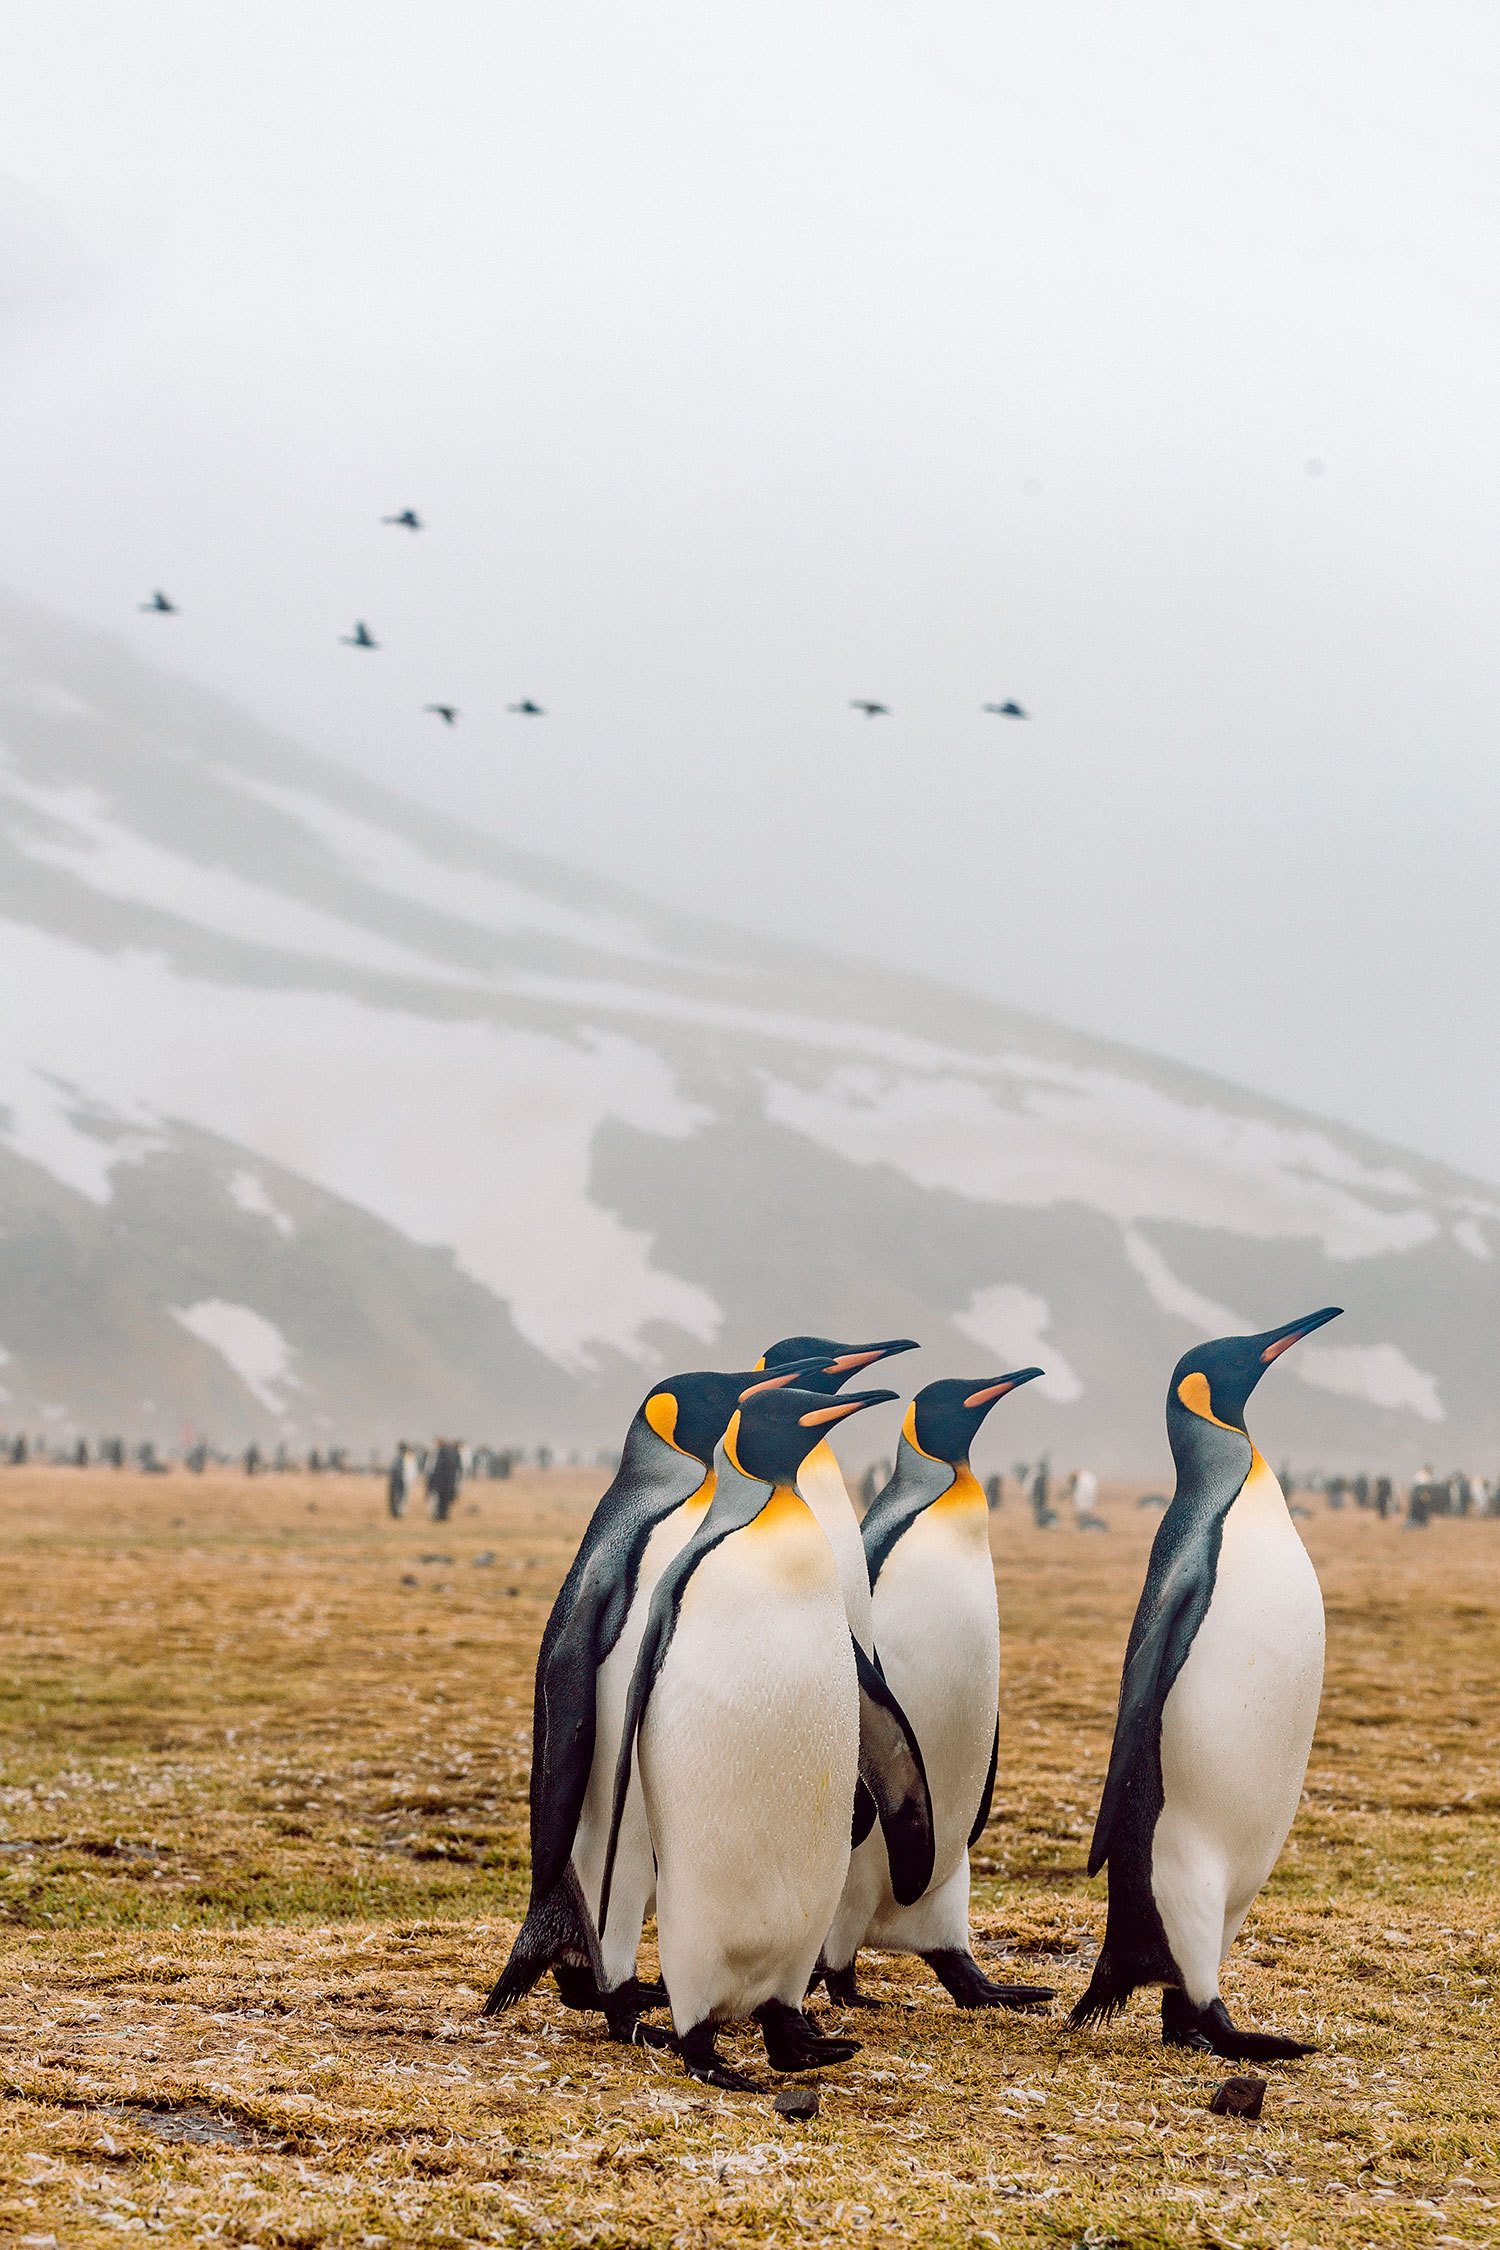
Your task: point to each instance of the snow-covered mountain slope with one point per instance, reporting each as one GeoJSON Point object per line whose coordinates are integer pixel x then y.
{"type": "Point", "coordinates": [319, 1113]}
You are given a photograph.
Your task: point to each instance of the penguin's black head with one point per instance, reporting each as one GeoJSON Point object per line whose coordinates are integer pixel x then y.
{"type": "Point", "coordinates": [943, 1419]}
{"type": "Point", "coordinates": [842, 1360]}
{"type": "Point", "coordinates": [1215, 1380]}
{"type": "Point", "coordinates": [690, 1413]}
{"type": "Point", "coordinates": [774, 1431]}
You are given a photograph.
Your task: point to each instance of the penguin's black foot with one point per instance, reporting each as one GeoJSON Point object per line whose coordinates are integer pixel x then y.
{"type": "Point", "coordinates": [650, 1992]}
{"type": "Point", "coordinates": [792, 2043]}
{"type": "Point", "coordinates": [968, 1987]}
{"type": "Point", "coordinates": [622, 2013]}
{"type": "Point", "coordinates": [631, 2032]}
{"type": "Point", "coordinates": [701, 2060]}
{"type": "Point", "coordinates": [1212, 2031]}
{"type": "Point", "coordinates": [1180, 2022]}
{"type": "Point", "coordinates": [576, 1985]}
{"type": "Point", "coordinates": [843, 1989]}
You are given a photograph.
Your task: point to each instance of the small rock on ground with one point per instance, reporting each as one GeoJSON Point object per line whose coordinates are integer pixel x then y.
{"type": "Point", "coordinates": [798, 2101]}
{"type": "Point", "coordinates": [1239, 2097]}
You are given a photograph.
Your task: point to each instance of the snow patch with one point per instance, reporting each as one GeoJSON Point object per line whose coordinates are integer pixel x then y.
{"type": "Point", "coordinates": [251, 1345]}
{"type": "Point", "coordinates": [1109, 1143]}
{"type": "Point", "coordinates": [487, 902]}
{"type": "Point", "coordinates": [46, 1120]}
{"type": "Point", "coordinates": [1012, 1322]}
{"type": "Point", "coordinates": [1379, 1373]}
{"type": "Point", "coordinates": [247, 1191]}
{"type": "Point", "coordinates": [1176, 1296]}
{"type": "Point", "coordinates": [470, 1136]}
{"type": "Point", "coordinates": [122, 865]}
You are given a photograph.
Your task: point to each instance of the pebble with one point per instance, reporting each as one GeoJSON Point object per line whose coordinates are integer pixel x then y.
{"type": "Point", "coordinates": [1239, 2097]}
{"type": "Point", "coordinates": [800, 2102]}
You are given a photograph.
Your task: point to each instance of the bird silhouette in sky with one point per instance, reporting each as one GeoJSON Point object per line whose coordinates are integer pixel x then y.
{"type": "Point", "coordinates": [408, 519]}
{"type": "Point", "coordinates": [361, 636]}
{"type": "Point", "coordinates": [159, 605]}
{"type": "Point", "coordinates": [870, 710]}
{"type": "Point", "coordinates": [1007, 710]}
{"type": "Point", "coordinates": [447, 712]}
{"type": "Point", "coordinates": [527, 708]}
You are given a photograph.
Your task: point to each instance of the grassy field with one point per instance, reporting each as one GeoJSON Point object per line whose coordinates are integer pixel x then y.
{"type": "Point", "coordinates": [262, 1844]}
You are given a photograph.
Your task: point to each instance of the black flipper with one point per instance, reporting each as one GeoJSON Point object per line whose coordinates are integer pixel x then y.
{"type": "Point", "coordinates": [987, 1794]}
{"type": "Point", "coordinates": [1160, 1639]}
{"type": "Point", "coordinates": [891, 1768]}
{"type": "Point", "coordinates": [564, 1728]}
{"type": "Point", "coordinates": [552, 1934]}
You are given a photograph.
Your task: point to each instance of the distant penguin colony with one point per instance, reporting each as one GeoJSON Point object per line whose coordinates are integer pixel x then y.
{"type": "Point", "coordinates": [779, 1727]}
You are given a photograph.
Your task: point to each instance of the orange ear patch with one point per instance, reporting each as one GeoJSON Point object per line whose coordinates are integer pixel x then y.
{"type": "Point", "coordinates": [661, 1412]}
{"type": "Point", "coordinates": [1196, 1396]}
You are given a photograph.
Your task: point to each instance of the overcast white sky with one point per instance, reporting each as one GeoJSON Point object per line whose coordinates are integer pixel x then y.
{"type": "Point", "coordinates": [750, 355]}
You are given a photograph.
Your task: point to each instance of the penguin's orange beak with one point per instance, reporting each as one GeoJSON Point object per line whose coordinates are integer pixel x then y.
{"type": "Point", "coordinates": [850, 1363]}
{"type": "Point", "coordinates": [839, 1409]}
{"type": "Point", "coordinates": [769, 1383]}
{"type": "Point", "coordinates": [1295, 1330]}
{"type": "Point", "coordinates": [1002, 1388]}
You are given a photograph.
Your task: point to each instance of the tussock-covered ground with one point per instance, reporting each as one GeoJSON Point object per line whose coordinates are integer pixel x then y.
{"type": "Point", "coordinates": [262, 1843]}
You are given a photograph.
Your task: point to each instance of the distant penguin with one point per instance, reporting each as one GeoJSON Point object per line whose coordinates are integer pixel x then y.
{"type": "Point", "coordinates": [746, 1713]}
{"type": "Point", "coordinates": [401, 1479]}
{"type": "Point", "coordinates": [926, 1539]}
{"type": "Point", "coordinates": [659, 1496]}
{"type": "Point", "coordinates": [1218, 1701]}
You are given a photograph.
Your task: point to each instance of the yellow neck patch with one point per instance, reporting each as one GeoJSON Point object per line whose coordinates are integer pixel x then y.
{"type": "Point", "coordinates": [731, 1442]}
{"type": "Point", "coordinates": [784, 1510]}
{"type": "Point", "coordinates": [965, 1491]}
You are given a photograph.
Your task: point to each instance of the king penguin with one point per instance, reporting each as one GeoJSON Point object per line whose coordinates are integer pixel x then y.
{"type": "Point", "coordinates": [926, 1541]}
{"type": "Point", "coordinates": [1218, 1701]}
{"type": "Point", "coordinates": [821, 1480]}
{"type": "Point", "coordinates": [746, 1715]}
{"type": "Point", "coordinates": [659, 1496]}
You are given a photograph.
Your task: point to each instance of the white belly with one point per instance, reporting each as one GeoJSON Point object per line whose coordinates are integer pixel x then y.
{"type": "Point", "coordinates": [634, 1879]}
{"type": "Point", "coordinates": [748, 1753]}
{"type": "Point", "coordinates": [821, 1483]}
{"type": "Point", "coordinates": [1236, 1729]}
{"type": "Point", "coordinates": [939, 1639]}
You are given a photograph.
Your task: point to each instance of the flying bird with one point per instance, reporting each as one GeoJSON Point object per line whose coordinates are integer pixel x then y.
{"type": "Point", "coordinates": [361, 636]}
{"type": "Point", "coordinates": [160, 605]}
{"type": "Point", "coordinates": [447, 712]}
{"type": "Point", "coordinates": [527, 708]}
{"type": "Point", "coordinates": [1007, 710]}
{"type": "Point", "coordinates": [408, 519]}
{"type": "Point", "coordinates": [870, 710]}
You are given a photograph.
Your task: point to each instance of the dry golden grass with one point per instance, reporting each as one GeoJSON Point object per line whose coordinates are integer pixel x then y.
{"type": "Point", "coordinates": [262, 1844]}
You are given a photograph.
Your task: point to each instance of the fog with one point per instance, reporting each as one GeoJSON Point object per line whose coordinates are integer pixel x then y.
{"type": "Point", "coordinates": [1136, 364]}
